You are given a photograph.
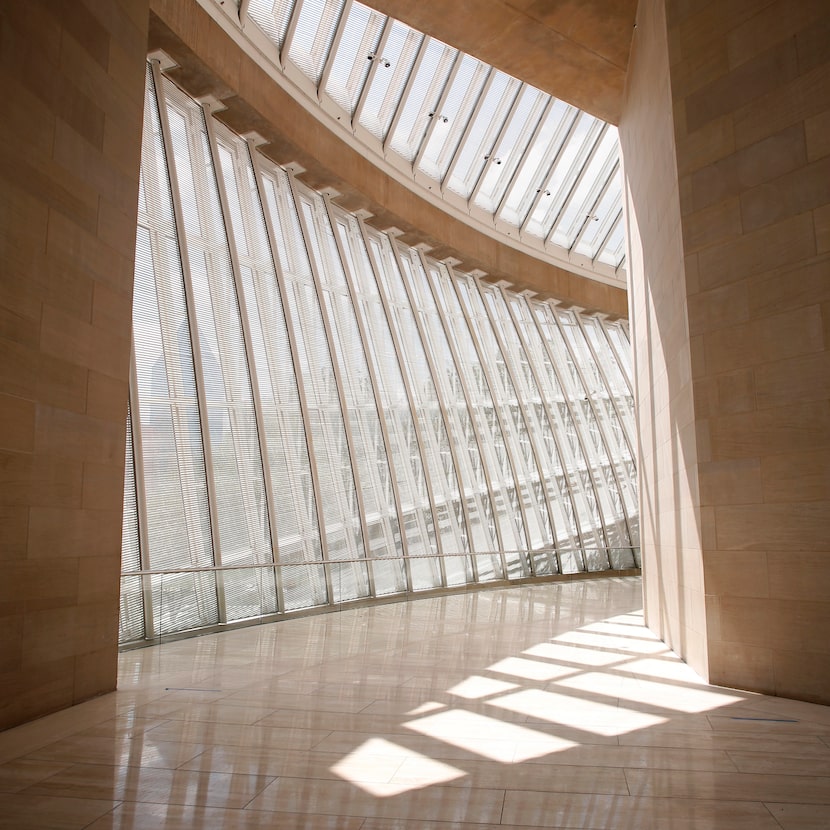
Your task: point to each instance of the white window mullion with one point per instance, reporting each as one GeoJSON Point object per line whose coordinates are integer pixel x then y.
{"type": "Point", "coordinates": [419, 439]}
{"type": "Point", "coordinates": [271, 512]}
{"type": "Point", "coordinates": [296, 362]}
{"type": "Point", "coordinates": [194, 338]}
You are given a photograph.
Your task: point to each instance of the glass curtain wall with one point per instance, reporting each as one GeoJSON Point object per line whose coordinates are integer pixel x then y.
{"type": "Point", "coordinates": [319, 414]}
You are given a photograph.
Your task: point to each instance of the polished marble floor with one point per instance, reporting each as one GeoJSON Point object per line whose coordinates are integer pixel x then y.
{"type": "Point", "coordinates": [536, 706]}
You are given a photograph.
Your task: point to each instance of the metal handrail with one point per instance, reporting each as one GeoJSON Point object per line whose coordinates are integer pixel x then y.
{"type": "Point", "coordinates": [321, 562]}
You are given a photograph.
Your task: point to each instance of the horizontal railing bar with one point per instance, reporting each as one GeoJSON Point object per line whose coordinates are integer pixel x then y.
{"type": "Point", "coordinates": [322, 562]}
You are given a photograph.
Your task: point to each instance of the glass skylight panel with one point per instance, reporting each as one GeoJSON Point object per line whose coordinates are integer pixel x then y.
{"type": "Point", "coordinates": [419, 105]}
{"type": "Point", "coordinates": [593, 177]}
{"type": "Point", "coordinates": [353, 58]}
{"type": "Point", "coordinates": [614, 249]}
{"type": "Point", "coordinates": [599, 223]}
{"type": "Point", "coordinates": [504, 158]}
{"type": "Point", "coordinates": [272, 16]}
{"type": "Point", "coordinates": [484, 130]}
{"type": "Point", "coordinates": [537, 160]}
{"type": "Point", "coordinates": [511, 149]}
{"type": "Point", "coordinates": [313, 35]}
{"type": "Point", "coordinates": [557, 188]}
{"type": "Point", "coordinates": [387, 83]}
{"type": "Point", "coordinates": [461, 99]}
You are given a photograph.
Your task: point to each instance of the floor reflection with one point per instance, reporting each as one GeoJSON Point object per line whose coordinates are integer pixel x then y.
{"type": "Point", "coordinates": [535, 706]}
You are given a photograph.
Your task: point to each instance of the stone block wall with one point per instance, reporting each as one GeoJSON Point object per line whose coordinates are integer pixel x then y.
{"type": "Point", "coordinates": [744, 305]}
{"type": "Point", "coordinates": [72, 77]}
{"type": "Point", "coordinates": [751, 100]}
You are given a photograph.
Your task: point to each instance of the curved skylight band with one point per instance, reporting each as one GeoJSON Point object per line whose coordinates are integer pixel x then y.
{"type": "Point", "coordinates": [517, 157]}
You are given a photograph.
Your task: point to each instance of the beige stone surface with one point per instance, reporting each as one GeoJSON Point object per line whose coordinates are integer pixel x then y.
{"type": "Point", "coordinates": [749, 102]}
{"type": "Point", "coordinates": [67, 237]}
{"type": "Point", "coordinates": [725, 138]}
{"type": "Point", "coordinates": [573, 716]}
{"type": "Point", "coordinates": [667, 446]}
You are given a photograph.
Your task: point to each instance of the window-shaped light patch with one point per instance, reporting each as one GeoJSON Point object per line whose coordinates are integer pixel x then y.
{"type": "Point", "coordinates": [680, 698]}
{"type": "Point", "coordinates": [476, 687]}
{"type": "Point", "coordinates": [572, 654]}
{"type": "Point", "coordinates": [382, 769]}
{"type": "Point", "coordinates": [491, 738]}
{"type": "Point", "coordinates": [529, 669]}
{"type": "Point", "coordinates": [574, 711]}
{"type": "Point", "coordinates": [593, 639]}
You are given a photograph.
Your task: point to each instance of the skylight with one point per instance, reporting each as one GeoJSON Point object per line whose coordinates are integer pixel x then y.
{"type": "Point", "coordinates": [497, 151]}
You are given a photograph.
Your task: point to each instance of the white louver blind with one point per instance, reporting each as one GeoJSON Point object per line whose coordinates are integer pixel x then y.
{"type": "Point", "coordinates": [504, 157]}
{"type": "Point", "coordinates": [439, 115]}
{"type": "Point", "coordinates": [314, 33]}
{"type": "Point", "coordinates": [323, 415]}
{"type": "Point", "coordinates": [380, 500]}
{"type": "Point", "coordinates": [240, 504]}
{"type": "Point", "coordinates": [295, 524]}
{"type": "Point", "coordinates": [384, 94]}
{"type": "Point", "coordinates": [407, 461]}
{"type": "Point", "coordinates": [505, 501]}
{"type": "Point", "coordinates": [450, 521]}
{"type": "Point", "coordinates": [131, 617]}
{"type": "Point", "coordinates": [272, 16]}
{"type": "Point", "coordinates": [457, 107]}
{"type": "Point", "coordinates": [178, 519]}
{"type": "Point", "coordinates": [517, 438]}
{"type": "Point", "coordinates": [368, 453]}
{"type": "Point", "coordinates": [570, 405]}
{"type": "Point", "coordinates": [351, 63]}
{"type": "Point", "coordinates": [343, 536]}
{"type": "Point", "coordinates": [468, 453]}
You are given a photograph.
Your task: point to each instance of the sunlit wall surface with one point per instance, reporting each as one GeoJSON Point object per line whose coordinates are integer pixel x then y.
{"type": "Point", "coordinates": [319, 414]}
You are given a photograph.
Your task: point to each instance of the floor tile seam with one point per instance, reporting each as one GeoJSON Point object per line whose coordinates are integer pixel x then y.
{"type": "Point", "coordinates": [199, 725]}
{"type": "Point", "coordinates": [328, 734]}
{"type": "Point", "coordinates": [669, 798]}
{"type": "Point", "coordinates": [144, 766]}
{"type": "Point", "coordinates": [596, 769]}
{"type": "Point", "coordinates": [627, 782]}
{"type": "Point", "coordinates": [785, 756]}
{"type": "Point", "coordinates": [282, 750]}
{"type": "Point", "coordinates": [746, 776]}
{"type": "Point", "coordinates": [574, 790]}
{"type": "Point", "coordinates": [610, 700]}
{"type": "Point", "coordinates": [109, 812]}
{"type": "Point", "coordinates": [443, 785]}
{"type": "Point", "coordinates": [731, 798]}
{"type": "Point", "coordinates": [772, 815]}
{"type": "Point", "coordinates": [731, 760]}
{"type": "Point", "coordinates": [258, 793]}
{"type": "Point", "coordinates": [656, 765]}
{"type": "Point", "coordinates": [171, 770]}
{"type": "Point", "coordinates": [503, 802]}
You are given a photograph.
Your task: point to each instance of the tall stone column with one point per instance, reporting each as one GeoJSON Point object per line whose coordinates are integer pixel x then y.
{"type": "Point", "coordinates": [726, 142]}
